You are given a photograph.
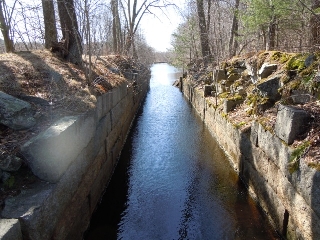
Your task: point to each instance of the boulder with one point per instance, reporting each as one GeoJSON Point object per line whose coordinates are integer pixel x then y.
{"type": "Point", "coordinates": [10, 229]}
{"type": "Point", "coordinates": [10, 163]}
{"type": "Point", "coordinates": [301, 98]}
{"type": "Point", "coordinates": [234, 77]}
{"type": "Point", "coordinates": [219, 75]}
{"type": "Point", "coordinates": [309, 60]}
{"type": "Point", "coordinates": [291, 122]}
{"type": "Point", "coordinates": [267, 69]}
{"type": "Point", "coordinates": [269, 88]}
{"type": "Point", "coordinates": [15, 113]}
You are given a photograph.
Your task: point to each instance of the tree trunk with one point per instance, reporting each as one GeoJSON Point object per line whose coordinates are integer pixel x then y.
{"type": "Point", "coordinates": [5, 31]}
{"type": "Point", "coordinates": [205, 49]}
{"type": "Point", "coordinates": [315, 26]}
{"type": "Point", "coordinates": [271, 35]}
{"type": "Point", "coordinates": [116, 27]}
{"type": "Point", "coordinates": [70, 31]}
{"type": "Point", "coordinates": [233, 42]}
{"type": "Point", "coordinates": [271, 32]}
{"type": "Point", "coordinates": [50, 29]}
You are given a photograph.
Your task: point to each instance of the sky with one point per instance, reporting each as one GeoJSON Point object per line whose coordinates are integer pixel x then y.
{"type": "Point", "coordinates": [157, 31]}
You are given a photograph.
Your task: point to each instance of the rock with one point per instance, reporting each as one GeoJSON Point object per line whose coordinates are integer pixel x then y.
{"type": "Point", "coordinates": [50, 153]}
{"type": "Point", "coordinates": [309, 60]}
{"type": "Point", "coordinates": [301, 98]}
{"type": "Point", "coordinates": [240, 90]}
{"type": "Point", "coordinates": [269, 88]}
{"type": "Point", "coordinates": [229, 105]}
{"type": "Point", "coordinates": [252, 71]}
{"type": "Point", "coordinates": [219, 75]}
{"type": "Point", "coordinates": [10, 229]}
{"type": "Point", "coordinates": [291, 122]}
{"type": "Point", "coordinates": [35, 100]}
{"type": "Point", "coordinates": [233, 77]}
{"type": "Point", "coordinates": [30, 208]}
{"type": "Point", "coordinates": [207, 90]}
{"type": "Point", "coordinates": [267, 69]}
{"type": "Point", "coordinates": [5, 176]}
{"type": "Point", "coordinates": [27, 202]}
{"type": "Point", "coordinates": [10, 163]}
{"type": "Point", "coordinates": [15, 113]}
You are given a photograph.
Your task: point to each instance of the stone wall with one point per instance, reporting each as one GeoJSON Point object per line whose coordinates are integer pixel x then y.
{"type": "Point", "coordinates": [75, 158]}
{"type": "Point", "coordinates": [290, 201]}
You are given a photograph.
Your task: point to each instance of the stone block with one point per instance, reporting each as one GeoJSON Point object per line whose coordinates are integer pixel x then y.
{"type": "Point", "coordinates": [10, 229]}
{"type": "Point", "coordinates": [234, 77]}
{"type": "Point", "coordinates": [290, 123]}
{"type": "Point", "coordinates": [207, 90]}
{"type": "Point", "coordinates": [301, 98]}
{"type": "Point", "coordinates": [229, 105]}
{"type": "Point", "coordinates": [219, 75]}
{"type": "Point", "coordinates": [269, 88]}
{"type": "Point", "coordinates": [267, 69]}
{"type": "Point", "coordinates": [50, 153]}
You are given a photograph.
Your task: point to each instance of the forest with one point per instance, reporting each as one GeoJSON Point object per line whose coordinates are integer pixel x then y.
{"type": "Point", "coordinates": [210, 29]}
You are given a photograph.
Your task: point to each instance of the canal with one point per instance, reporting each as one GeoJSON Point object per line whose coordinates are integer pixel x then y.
{"type": "Point", "coordinates": [173, 181]}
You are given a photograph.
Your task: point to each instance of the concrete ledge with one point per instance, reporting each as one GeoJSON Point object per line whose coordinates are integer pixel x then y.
{"type": "Point", "coordinates": [10, 229]}
{"type": "Point", "coordinates": [78, 155]}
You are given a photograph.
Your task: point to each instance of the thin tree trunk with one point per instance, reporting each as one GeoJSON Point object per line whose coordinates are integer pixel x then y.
{"type": "Point", "coordinates": [205, 48]}
{"type": "Point", "coordinates": [50, 29]}
{"type": "Point", "coordinates": [116, 27]}
{"type": "Point", "coordinates": [315, 26]}
{"type": "Point", "coordinates": [233, 42]}
{"type": "Point", "coordinates": [271, 32]}
{"type": "Point", "coordinates": [5, 31]}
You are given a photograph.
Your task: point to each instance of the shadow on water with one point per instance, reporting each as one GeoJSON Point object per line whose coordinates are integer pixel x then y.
{"type": "Point", "coordinates": [173, 181]}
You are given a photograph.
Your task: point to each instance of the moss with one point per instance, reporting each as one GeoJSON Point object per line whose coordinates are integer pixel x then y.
{"type": "Point", "coordinates": [297, 62]}
{"type": "Point", "coordinates": [280, 57]}
{"type": "Point", "coordinates": [224, 95]}
{"type": "Point", "coordinates": [293, 164]}
{"type": "Point", "coordinates": [224, 115]}
{"type": "Point", "coordinates": [239, 125]}
{"type": "Point", "coordinates": [293, 85]}
{"type": "Point", "coordinates": [235, 97]}
{"type": "Point", "coordinates": [315, 166]}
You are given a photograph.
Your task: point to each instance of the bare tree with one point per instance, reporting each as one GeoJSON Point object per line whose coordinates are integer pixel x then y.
{"type": "Point", "coordinates": [50, 30]}
{"type": "Point", "coordinates": [5, 27]}
{"type": "Point", "coordinates": [70, 31]}
{"type": "Point", "coordinates": [116, 27]}
{"type": "Point", "coordinates": [133, 13]}
{"type": "Point", "coordinates": [315, 24]}
{"type": "Point", "coordinates": [233, 42]}
{"type": "Point", "coordinates": [205, 47]}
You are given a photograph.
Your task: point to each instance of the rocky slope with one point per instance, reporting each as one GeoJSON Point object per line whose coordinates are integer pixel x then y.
{"type": "Point", "coordinates": [257, 86]}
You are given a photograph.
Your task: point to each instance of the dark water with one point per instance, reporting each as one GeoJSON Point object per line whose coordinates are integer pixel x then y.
{"type": "Point", "coordinates": [173, 181]}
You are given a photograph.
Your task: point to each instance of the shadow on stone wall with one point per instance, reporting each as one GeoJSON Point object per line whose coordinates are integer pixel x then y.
{"type": "Point", "coordinates": [315, 203]}
{"type": "Point", "coordinates": [256, 184]}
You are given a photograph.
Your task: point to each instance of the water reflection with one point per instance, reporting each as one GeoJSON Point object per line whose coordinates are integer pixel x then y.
{"type": "Point", "coordinates": [173, 181]}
